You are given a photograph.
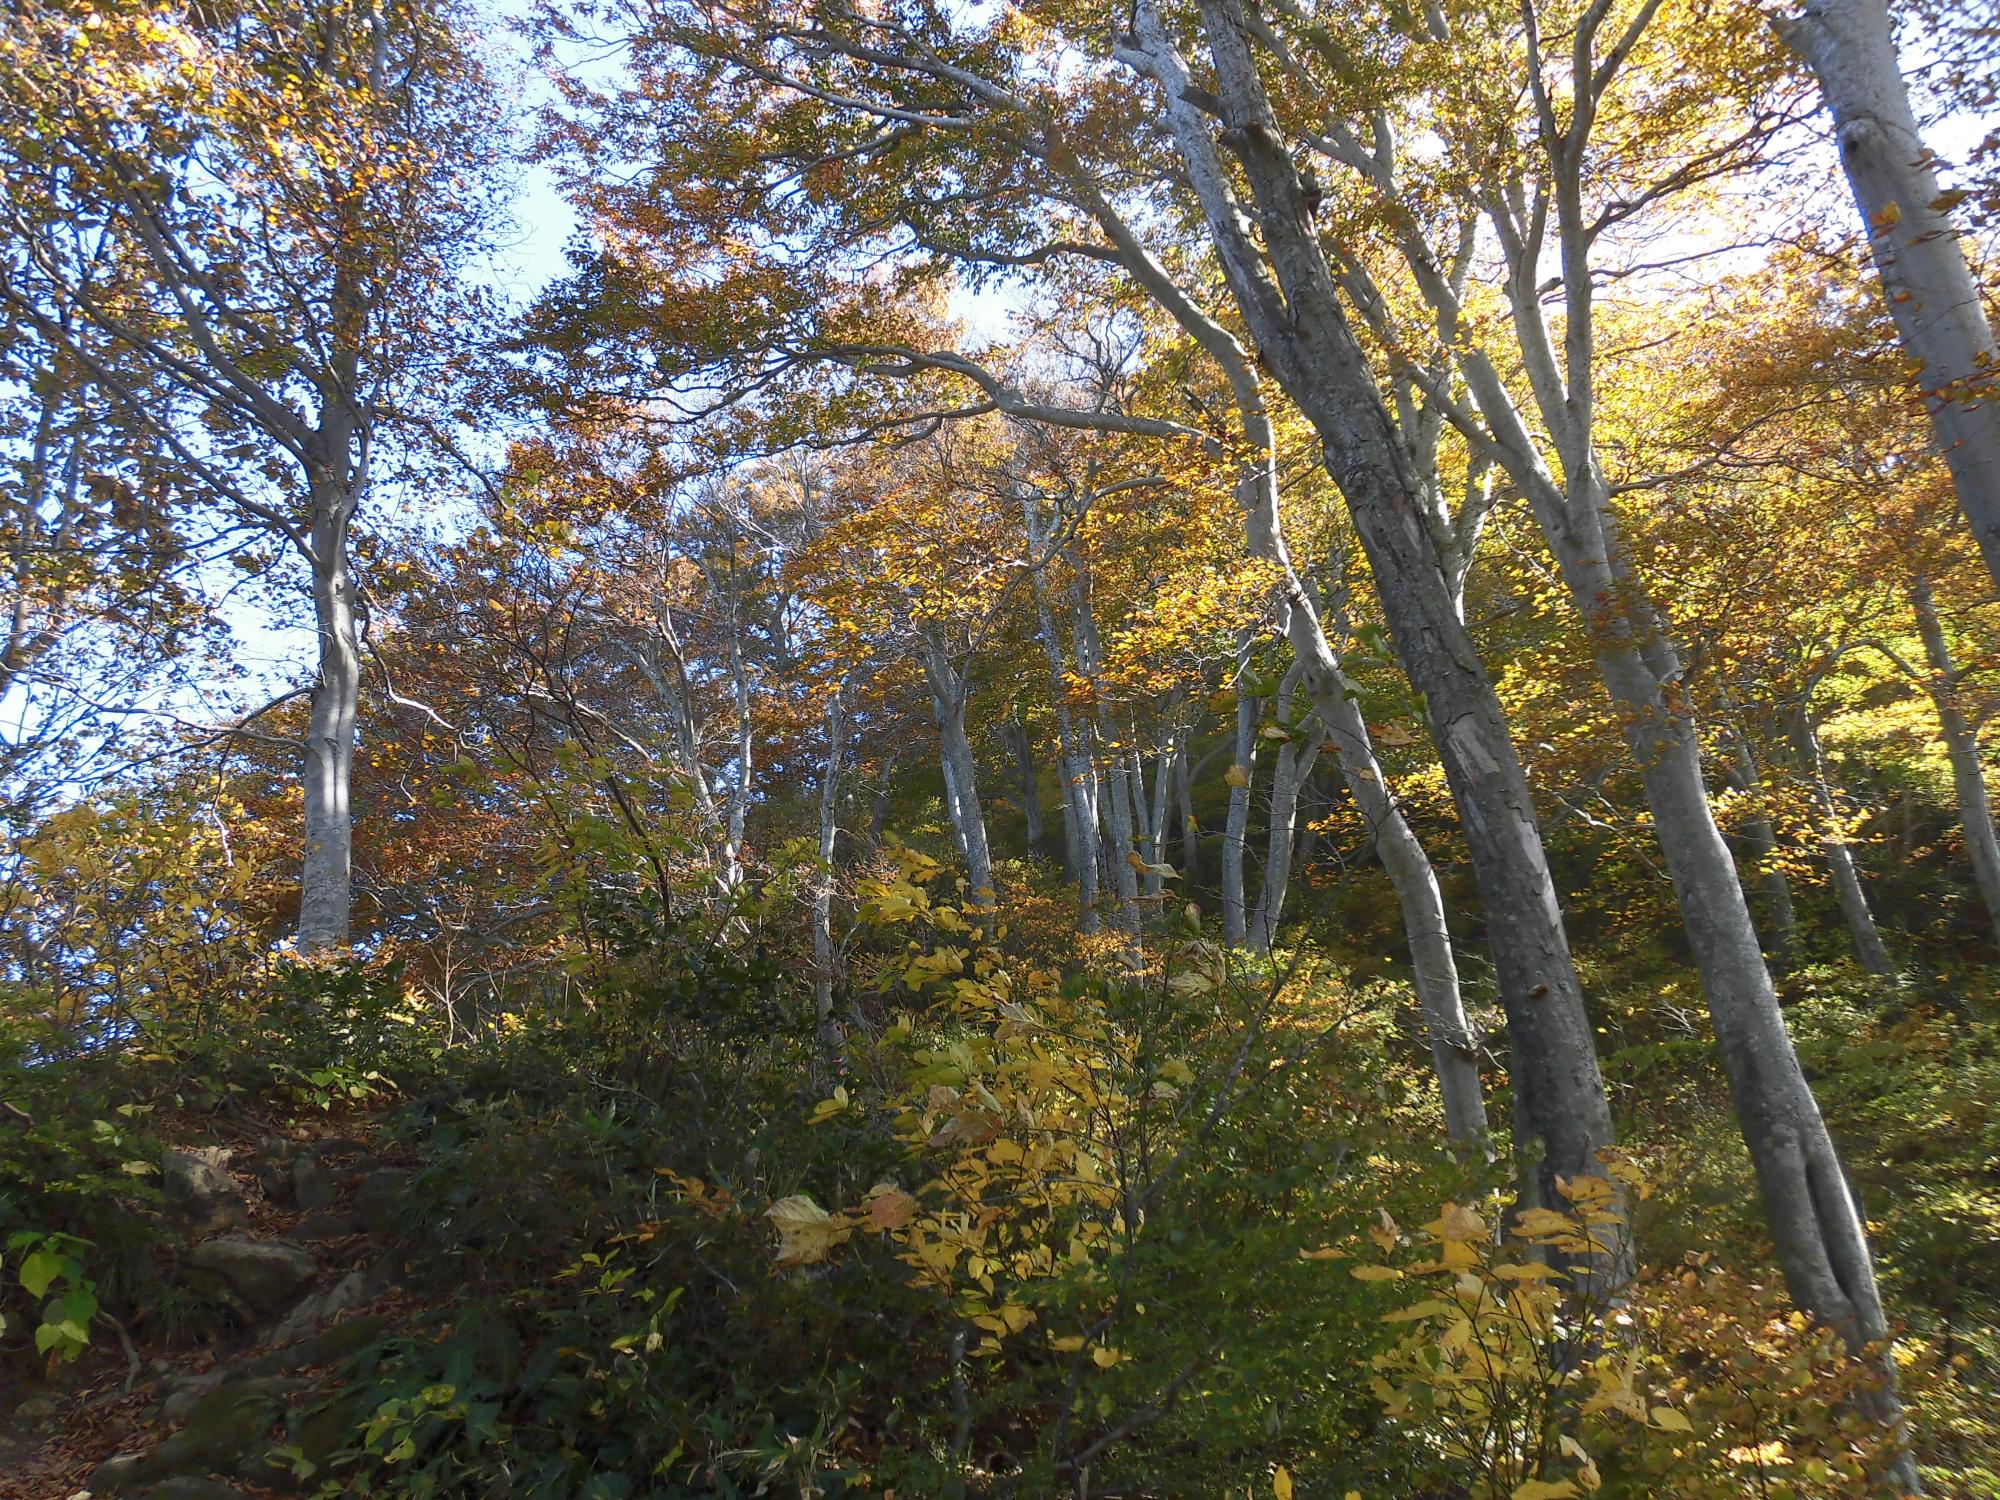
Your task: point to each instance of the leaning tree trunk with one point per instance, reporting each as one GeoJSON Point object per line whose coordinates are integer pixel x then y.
{"type": "Point", "coordinates": [1561, 1115]}
{"type": "Point", "coordinates": [326, 884]}
{"type": "Point", "coordinates": [1961, 745]}
{"type": "Point", "coordinates": [1834, 848]}
{"type": "Point", "coordinates": [1930, 290]}
{"type": "Point", "coordinates": [1821, 1242]}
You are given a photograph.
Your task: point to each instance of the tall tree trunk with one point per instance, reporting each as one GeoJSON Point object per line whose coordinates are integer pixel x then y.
{"type": "Point", "coordinates": [745, 757]}
{"type": "Point", "coordinates": [1235, 910]}
{"type": "Point", "coordinates": [1288, 779]}
{"type": "Point", "coordinates": [1762, 841]}
{"type": "Point", "coordinates": [1120, 841]}
{"type": "Point", "coordinates": [1854, 910]}
{"type": "Point", "coordinates": [1561, 1116]}
{"type": "Point", "coordinates": [326, 884]}
{"type": "Point", "coordinates": [1081, 830]}
{"type": "Point", "coordinates": [961, 775]}
{"type": "Point", "coordinates": [1929, 287]}
{"type": "Point", "coordinates": [1184, 794]}
{"type": "Point", "coordinates": [1110, 762]}
{"type": "Point", "coordinates": [822, 900]}
{"type": "Point", "coordinates": [1961, 745]}
{"type": "Point", "coordinates": [1031, 783]}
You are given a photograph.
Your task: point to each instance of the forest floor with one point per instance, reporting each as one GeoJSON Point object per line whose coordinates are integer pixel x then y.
{"type": "Point", "coordinates": [59, 1438]}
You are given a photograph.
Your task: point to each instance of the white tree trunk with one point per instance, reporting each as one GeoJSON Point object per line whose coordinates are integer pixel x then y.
{"type": "Point", "coordinates": [823, 880]}
{"type": "Point", "coordinates": [1846, 874]}
{"type": "Point", "coordinates": [1288, 779]}
{"type": "Point", "coordinates": [1080, 830]}
{"type": "Point", "coordinates": [1120, 840]}
{"type": "Point", "coordinates": [326, 884]}
{"type": "Point", "coordinates": [961, 775]}
{"type": "Point", "coordinates": [1916, 249]}
{"type": "Point", "coordinates": [1762, 839]}
{"type": "Point", "coordinates": [1236, 821]}
{"type": "Point", "coordinates": [1288, 299]}
{"type": "Point", "coordinates": [1961, 744]}
{"type": "Point", "coordinates": [1184, 794]}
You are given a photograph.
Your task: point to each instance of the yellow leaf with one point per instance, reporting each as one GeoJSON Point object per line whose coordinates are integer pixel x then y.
{"type": "Point", "coordinates": [1543, 1489]}
{"type": "Point", "coordinates": [1236, 776]}
{"type": "Point", "coordinates": [807, 1233]}
{"type": "Point", "coordinates": [1068, 1344]}
{"type": "Point", "coordinates": [1383, 1232]}
{"type": "Point", "coordinates": [1668, 1420]}
{"type": "Point", "coordinates": [1456, 1224]}
{"type": "Point", "coordinates": [1325, 1252]}
{"type": "Point", "coordinates": [1377, 1273]}
{"type": "Point", "coordinates": [1104, 1357]}
{"type": "Point", "coordinates": [1428, 1308]}
{"type": "Point", "coordinates": [1281, 1483]}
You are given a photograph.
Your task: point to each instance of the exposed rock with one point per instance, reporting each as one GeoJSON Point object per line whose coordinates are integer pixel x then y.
{"type": "Point", "coordinates": [200, 1193]}
{"type": "Point", "coordinates": [191, 1487]}
{"type": "Point", "coordinates": [322, 1225]}
{"type": "Point", "coordinates": [275, 1177]}
{"type": "Point", "coordinates": [116, 1474]}
{"type": "Point", "coordinates": [312, 1185]}
{"type": "Point", "coordinates": [191, 1383]}
{"type": "Point", "coordinates": [261, 1276]}
{"type": "Point", "coordinates": [351, 1291]}
{"type": "Point", "coordinates": [220, 1428]}
{"type": "Point", "coordinates": [35, 1409]}
{"type": "Point", "coordinates": [317, 1434]}
{"type": "Point", "coordinates": [377, 1204]}
{"type": "Point", "coordinates": [335, 1344]}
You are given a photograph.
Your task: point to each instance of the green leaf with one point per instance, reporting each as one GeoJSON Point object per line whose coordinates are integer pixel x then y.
{"type": "Point", "coordinates": [68, 1337]}
{"type": "Point", "coordinates": [39, 1270]}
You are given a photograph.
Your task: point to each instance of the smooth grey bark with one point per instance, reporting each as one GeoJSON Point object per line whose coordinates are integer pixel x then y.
{"type": "Point", "coordinates": [1961, 745]}
{"type": "Point", "coordinates": [961, 773]}
{"type": "Point", "coordinates": [326, 880]}
{"type": "Point", "coordinates": [1120, 836]}
{"type": "Point", "coordinates": [1081, 830]}
{"type": "Point", "coordinates": [1030, 777]}
{"type": "Point", "coordinates": [1562, 1119]}
{"type": "Point", "coordinates": [1288, 778]}
{"type": "Point", "coordinates": [745, 758]}
{"type": "Point", "coordinates": [1184, 795]}
{"type": "Point", "coordinates": [1242, 771]}
{"type": "Point", "coordinates": [1153, 884]}
{"type": "Point", "coordinates": [1822, 1245]}
{"type": "Point", "coordinates": [1869, 948]}
{"type": "Point", "coordinates": [1761, 841]}
{"type": "Point", "coordinates": [1109, 761]}
{"type": "Point", "coordinates": [822, 897]}
{"type": "Point", "coordinates": [1929, 287]}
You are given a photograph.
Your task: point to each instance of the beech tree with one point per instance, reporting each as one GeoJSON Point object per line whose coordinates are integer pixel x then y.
{"type": "Point", "coordinates": [1913, 241]}
{"type": "Point", "coordinates": [280, 202]}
